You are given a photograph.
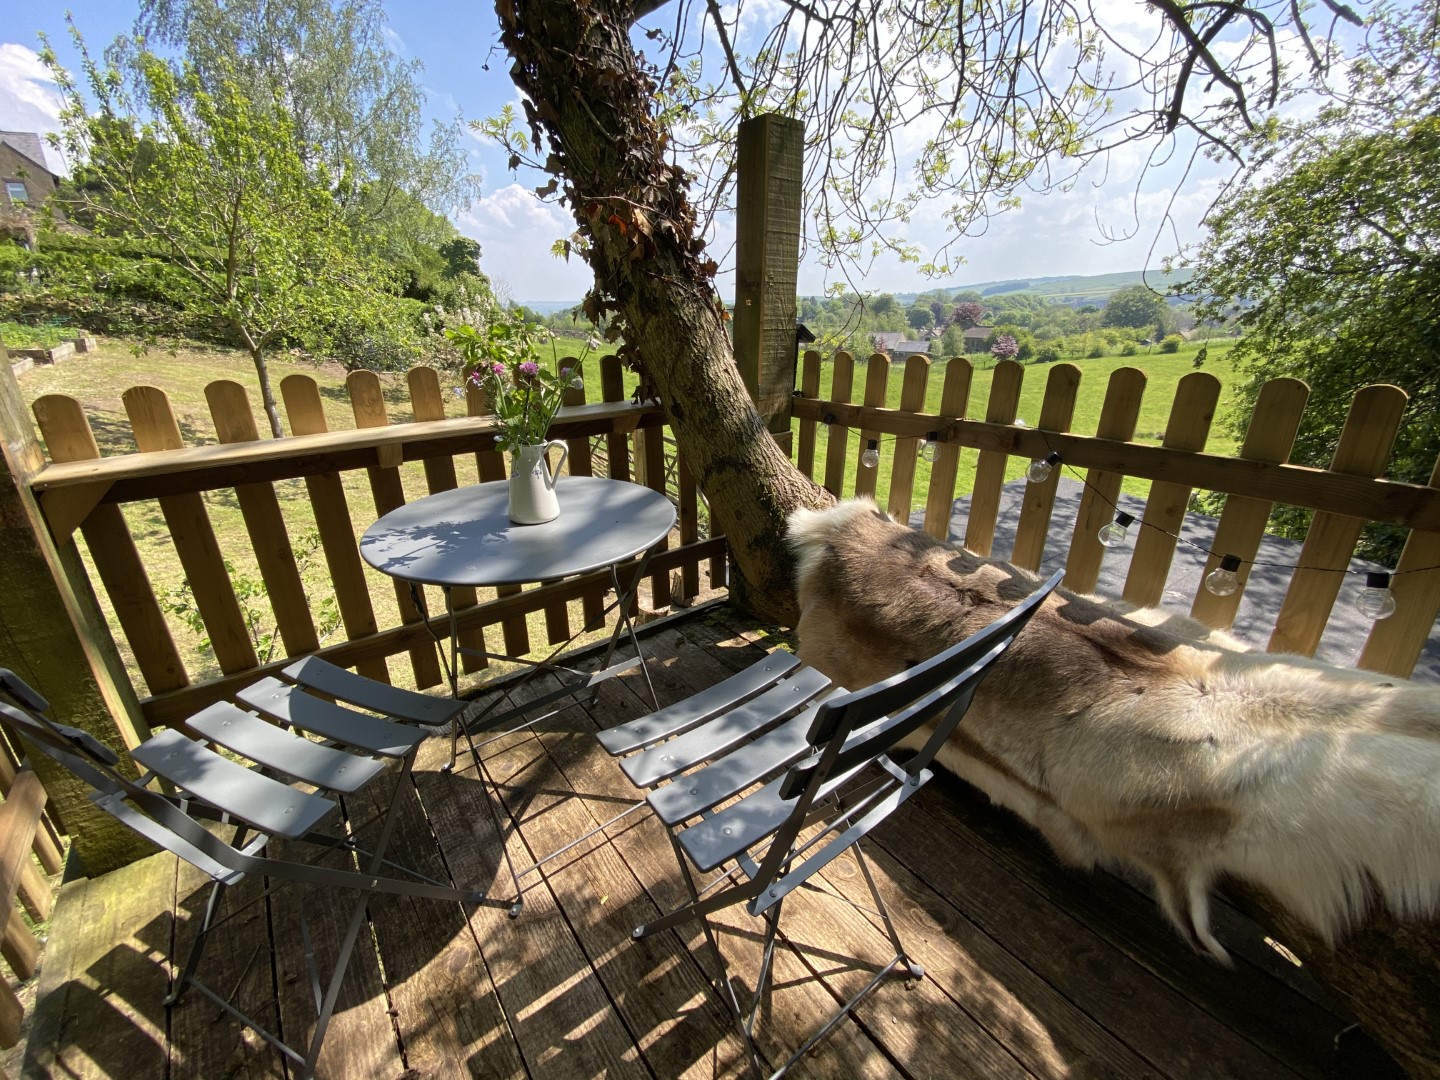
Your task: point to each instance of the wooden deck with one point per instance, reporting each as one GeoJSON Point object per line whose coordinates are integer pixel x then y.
{"type": "Point", "coordinates": [1031, 969]}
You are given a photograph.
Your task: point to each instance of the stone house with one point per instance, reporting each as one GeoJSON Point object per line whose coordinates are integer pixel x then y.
{"type": "Point", "coordinates": [26, 180]}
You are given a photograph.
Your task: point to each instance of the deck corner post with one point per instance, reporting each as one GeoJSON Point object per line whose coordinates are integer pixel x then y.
{"type": "Point", "coordinates": [56, 638]}
{"type": "Point", "coordinates": [769, 172]}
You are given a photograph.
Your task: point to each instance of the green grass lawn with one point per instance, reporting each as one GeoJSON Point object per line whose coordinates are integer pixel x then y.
{"type": "Point", "coordinates": [98, 380]}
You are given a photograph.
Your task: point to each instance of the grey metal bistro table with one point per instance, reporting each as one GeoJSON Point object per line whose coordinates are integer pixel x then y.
{"type": "Point", "coordinates": [463, 537]}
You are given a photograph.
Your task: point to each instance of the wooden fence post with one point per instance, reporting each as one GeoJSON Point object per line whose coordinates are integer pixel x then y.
{"type": "Point", "coordinates": [767, 260]}
{"type": "Point", "coordinates": [56, 639]}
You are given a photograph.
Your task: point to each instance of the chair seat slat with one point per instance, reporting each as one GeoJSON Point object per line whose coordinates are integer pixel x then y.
{"type": "Point", "coordinates": [376, 696]}
{"type": "Point", "coordinates": [716, 737]}
{"type": "Point", "coordinates": [683, 715]}
{"type": "Point", "coordinates": [693, 794]}
{"type": "Point", "coordinates": [263, 742]}
{"type": "Point", "coordinates": [267, 804]}
{"type": "Point", "coordinates": [288, 704]}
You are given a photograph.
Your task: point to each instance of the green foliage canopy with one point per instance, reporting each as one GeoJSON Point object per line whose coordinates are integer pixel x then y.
{"type": "Point", "coordinates": [1135, 306]}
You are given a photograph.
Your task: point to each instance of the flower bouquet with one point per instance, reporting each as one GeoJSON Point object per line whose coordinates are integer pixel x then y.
{"type": "Point", "coordinates": [504, 362]}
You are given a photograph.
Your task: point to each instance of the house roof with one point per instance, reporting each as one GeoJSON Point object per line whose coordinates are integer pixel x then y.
{"type": "Point", "coordinates": [28, 143]}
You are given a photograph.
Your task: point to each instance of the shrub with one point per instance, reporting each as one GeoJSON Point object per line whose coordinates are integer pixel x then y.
{"type": "Point", "coordinates": [1047, 355]}
{"type": "Point", "coordinates": [1096, 353]}
{"type": "Point", "coordinates": [1171, 343]}
{"type": "Point", "coordinates": [1130, 349]}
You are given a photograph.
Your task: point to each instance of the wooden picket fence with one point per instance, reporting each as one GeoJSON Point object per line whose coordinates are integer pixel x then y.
{"type": "Point", "coordinates": [1345, 496]}
{"type": "Point", "coordinates": [82, 490]}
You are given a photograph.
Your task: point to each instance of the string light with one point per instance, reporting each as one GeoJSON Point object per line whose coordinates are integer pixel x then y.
{"type": "Point", "coordinates": [871, 457]}
{"type": "Point", "coordinates": [1041, 468]}
{"type": "Point", "coordinates": [1222, 580]}
{"type": "Point", "coordinates": [1116, 532]}
{"type": "Point", "coordinates": [1376, 601]}
{"type": "Point", "coordinates": [930, 450]}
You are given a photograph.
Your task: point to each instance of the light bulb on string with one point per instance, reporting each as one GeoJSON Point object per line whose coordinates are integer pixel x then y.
{"type": "Point", "coordinates": [1376, 601]}
{"type": "Point", "coordinates": [871, 457]}
{"type": "Point", "coordinates": [1222, 580]}
{"type": "Point", "coordinates": [1116, 532]}
{"type": "Point", "coordinates": [1041, 468]}
{"type": "Point", "coordinates": [930, 449]}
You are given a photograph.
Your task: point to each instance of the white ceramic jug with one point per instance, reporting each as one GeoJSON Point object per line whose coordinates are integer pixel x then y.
{"type": "Point", "coordinates": [532, 484]}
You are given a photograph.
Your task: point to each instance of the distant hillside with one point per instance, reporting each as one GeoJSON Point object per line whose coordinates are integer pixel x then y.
{"type": "Point", "coordinates": [1075, 290]}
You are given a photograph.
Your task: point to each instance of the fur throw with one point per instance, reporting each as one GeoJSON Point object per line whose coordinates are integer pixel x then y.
{"type": "Point", "coordinates": [1143, 737]}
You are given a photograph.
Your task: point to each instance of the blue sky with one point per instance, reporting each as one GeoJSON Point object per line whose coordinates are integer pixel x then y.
{"type": "Point", "coordinates": [1050, 235]}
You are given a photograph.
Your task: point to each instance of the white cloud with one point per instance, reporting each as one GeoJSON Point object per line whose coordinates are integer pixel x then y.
{"type": "Point", "coordinates": [516, 231]}
{"type": "Point", "coordinates": [29, 100]}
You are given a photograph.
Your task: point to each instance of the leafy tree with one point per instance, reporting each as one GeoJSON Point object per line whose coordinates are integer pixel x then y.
{"type": "Point", "coordinates": [356, 106]}
{"type": "Point", "coordinates": [1134, 305]}
{"type": "Point", "coordinates": [919, 317]}
{"type": "Point", "coordinates": [229, 196]}
{"type": "Point", "coordinates": [968, 313]}
{"type": "Point", "coordinates": [1329, 258]}
{"type": "Point", "coordinates": [952, 342]}
{"type": "Point", "coordinates": [1005, 347]}
{"type": "Point", "coordinates": [461, 255]}
{"type": "Point", "coordinates": [884, 304]}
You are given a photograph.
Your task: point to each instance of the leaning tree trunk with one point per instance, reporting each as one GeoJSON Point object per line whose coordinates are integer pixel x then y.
{"type": "Point", "coordinates": [589, 105]}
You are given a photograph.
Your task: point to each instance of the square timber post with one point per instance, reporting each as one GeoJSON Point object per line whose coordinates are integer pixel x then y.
{"type": "Point", "coordinates": [54, 636]}
{"type": "Point", "coordinates": [767, 261]}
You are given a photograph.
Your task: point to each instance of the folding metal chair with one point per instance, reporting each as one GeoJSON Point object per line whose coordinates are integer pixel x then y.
{"type": "Point", "coordinates": [770, 775]}
{"type": "Point", "coordinates": [287, 792]}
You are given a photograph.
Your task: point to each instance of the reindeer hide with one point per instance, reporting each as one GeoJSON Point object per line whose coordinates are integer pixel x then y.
{"type": "Point", "coordinates": [1142, 737]}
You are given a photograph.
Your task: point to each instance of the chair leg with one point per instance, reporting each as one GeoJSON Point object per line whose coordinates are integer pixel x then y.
{"type": "Point", "coordinates": [915, 970]}
{"type": "Point", "coordinates": [197, 946]}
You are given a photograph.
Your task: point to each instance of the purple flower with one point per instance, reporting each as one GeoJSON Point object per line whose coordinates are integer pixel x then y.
{"type": "Point", "coordinates": [476, 378]}
{"type": "Point", "coordinates": [529, 368]}
{"type": "Point", "coordinates": [498, 368]}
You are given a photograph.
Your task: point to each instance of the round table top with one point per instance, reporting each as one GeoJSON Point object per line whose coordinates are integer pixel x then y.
{"type": "Point", "coordinates": [464, 537]}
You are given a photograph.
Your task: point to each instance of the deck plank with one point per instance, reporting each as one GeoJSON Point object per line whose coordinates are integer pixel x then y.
{"type": "Point", "coordinates": [99, 1005]}
{"type": "Point", "coordinates": [559, 1014]}
{"type": "Point", "coordinates": [447, 1012]}
{"type": "Point", "coordinates": [1259, 1008]}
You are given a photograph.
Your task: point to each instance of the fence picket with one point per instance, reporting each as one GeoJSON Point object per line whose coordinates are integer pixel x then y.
{"type": "Point", "coordinates": [490, 464]}
{"type": "Point", "coordinates": [332, 518]}
{"type": "Point", "coordinates": [427, 403]}
{"type": "Point", "coordinates": [617, 443]}
{"type": "Point", "coordinates": [1364, 449]}
{"type": "Point", "coordinates": [1269, 438]}
{"type": "Point", "coordinates": [837, 438]}
{"type": "Point", "coordinates": [902, 469]}
{"type": "Point", "coordinates": [259, 506]}
{"type": "Point", "coordinates": [877, 379]}
{"type": "Point", "coordinates": [155, 428]}
{"type": "Point", "coordinates": [650, 453]}
{"type": "Point", "coordinates": [809, 387]}
{"type": "Point", "coordinates": [1057, 411]}
{"type": "Point", "coordinates": [1395, 643]}
{"type": "Point", "coordinates": [1118, 416]}
{"type": "Point", "coordinates": [68, 437]}
{"type": "Point", "coordinates": [954, 400]}
{"type": "Point", "coordinates": [1191, 414]}
{"type": "Point", "coordinates": [367, 403]}
{"type": "Point", "coordinates": [1002, 407]}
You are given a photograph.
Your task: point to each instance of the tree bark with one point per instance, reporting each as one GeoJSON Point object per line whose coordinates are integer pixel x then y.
{"type": "Point", "coordinates": [262, 373]}
{"type": "Point", "coordinates": [589, 104]}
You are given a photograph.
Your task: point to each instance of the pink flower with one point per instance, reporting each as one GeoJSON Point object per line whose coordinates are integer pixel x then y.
{"type": "Point", "coordinates": [498, 368]}
{"type": "Point", "coordinates": [529, 368]}
{"type": "Point", "coordinates": [475, 377]}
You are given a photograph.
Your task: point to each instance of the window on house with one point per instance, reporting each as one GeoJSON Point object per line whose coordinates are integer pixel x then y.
{"type": "Point", "coordinates": [16, 190]}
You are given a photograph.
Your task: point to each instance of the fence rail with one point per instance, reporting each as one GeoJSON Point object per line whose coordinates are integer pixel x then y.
{"type": "Point", "coordinates": [1345, 495]}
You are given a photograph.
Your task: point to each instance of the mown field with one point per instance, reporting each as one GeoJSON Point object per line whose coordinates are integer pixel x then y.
{"type": "Point", "coordinates": [98, 380]}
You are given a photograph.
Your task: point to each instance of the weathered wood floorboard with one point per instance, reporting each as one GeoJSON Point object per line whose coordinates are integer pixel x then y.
{"type": "Point", "coordinates": [1031, 969]}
